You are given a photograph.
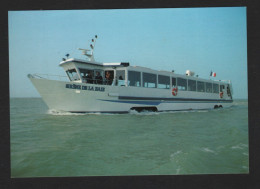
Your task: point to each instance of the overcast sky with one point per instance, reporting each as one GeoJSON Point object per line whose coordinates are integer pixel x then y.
{"type": "Point", "coordinates": [198, 39]}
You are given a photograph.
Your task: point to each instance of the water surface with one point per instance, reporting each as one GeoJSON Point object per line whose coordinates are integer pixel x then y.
{"type": "Point", "coordinates": [46, 143]}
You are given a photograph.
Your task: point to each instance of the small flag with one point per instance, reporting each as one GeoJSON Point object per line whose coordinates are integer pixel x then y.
{"type": "Point", "coordinates": [213, 74]}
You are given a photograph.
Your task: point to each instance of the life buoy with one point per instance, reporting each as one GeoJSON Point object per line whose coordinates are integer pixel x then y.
{"type": "Point", "coordinates": [174, 91]}
{"type": "Point", "coordinates": [221, 95]}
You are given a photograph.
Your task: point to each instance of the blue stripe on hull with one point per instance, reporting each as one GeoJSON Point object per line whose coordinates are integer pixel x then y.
{"type": "Point", "coordinates": [173, 99]}
{"type": "Point", "coordinates": [157, 101]}
{"type": "Point", "coordinates": [134, 102]}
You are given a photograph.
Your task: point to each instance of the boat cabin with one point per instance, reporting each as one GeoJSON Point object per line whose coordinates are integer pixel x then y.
{"type": "Point", "coordinates": [81, 71]}
{"type": "Point", "coordinates": [122, 74]}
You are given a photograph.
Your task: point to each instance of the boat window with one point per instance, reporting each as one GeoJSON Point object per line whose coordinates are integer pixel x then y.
{"type": "Point", "coordinates": [182, 84]}
{"type": "Point", "coordinates": [109, 77]}
{"type": "Point", "coordinates": [215, 88]}
{"type": "Point", "coordinates": [73, 75]}
{"type": "Point", "coordinates": [86, 75]}
{"type": "Point", "coordinates": [149, 80]}
{"type": "Point", "coordinates": [222, 87]}
{"type": "Point", "coordinates": [209, 87]}
{"type": "Point", "coordinates": [98, 79]}
{"type": "Point", "coordinates": [134, 79]}
{"type": "Point", "coordinates": [191, 85]}
{"type": "Point", "coordinates": [173, 82]}
{"type": "Point", "coordinates": [163, 82]}
{"type": "Point", "coordinates": [120, 75]}
{"type": "Point", "coordinates": [200, 86]}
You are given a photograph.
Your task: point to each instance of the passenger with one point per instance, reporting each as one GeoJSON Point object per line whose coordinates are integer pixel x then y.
{"type": "Point", "coordinates": [120, 81]}
{"type": "Point", "coordinates": [89, 78]}
{"type": "Point", "coordinates": [98, 78]}
{"type": "Point", "coordinates": [108, 78]}
{"type": "Point", "coordinates": [84, 78]}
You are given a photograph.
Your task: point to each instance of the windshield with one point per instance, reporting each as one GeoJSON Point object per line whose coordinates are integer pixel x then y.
{"type": "Point", "coordinates": [73, 75]}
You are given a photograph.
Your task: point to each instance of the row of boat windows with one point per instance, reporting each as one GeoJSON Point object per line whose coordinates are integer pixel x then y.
{"type": "Point", "coordinates": [148, 80]}
{"type": "Point", "coordinates": [95, 76]}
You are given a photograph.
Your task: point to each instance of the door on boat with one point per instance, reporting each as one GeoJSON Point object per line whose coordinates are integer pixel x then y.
{"type": "Point", "coordinates": [229, 91]}
{"type": "Point", "coordinates": [222, 91]}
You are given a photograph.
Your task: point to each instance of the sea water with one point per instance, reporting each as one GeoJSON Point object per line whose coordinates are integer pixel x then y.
{"type": "Point", "coordinates": [47, 143]}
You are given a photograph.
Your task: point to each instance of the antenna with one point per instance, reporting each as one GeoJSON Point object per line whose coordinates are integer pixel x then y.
{"type": "Point", "coordinates": [90, 53]}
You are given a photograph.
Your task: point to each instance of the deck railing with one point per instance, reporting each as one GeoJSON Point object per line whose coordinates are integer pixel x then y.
{"type": "Point", "coordinates": [227, 81]}
{"type": "Point", "coordinates": [49, 76]}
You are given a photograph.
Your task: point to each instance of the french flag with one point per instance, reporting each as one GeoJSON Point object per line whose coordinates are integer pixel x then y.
{"type": "Point", "coordinates": [213, 74]}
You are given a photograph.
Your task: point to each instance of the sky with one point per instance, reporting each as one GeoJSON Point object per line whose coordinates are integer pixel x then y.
{"type": "Point", "coordinates": [179, 39]}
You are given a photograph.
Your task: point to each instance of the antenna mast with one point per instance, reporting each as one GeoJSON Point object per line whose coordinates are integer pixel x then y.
{"type": "Point", "coordinates": [90, 53]}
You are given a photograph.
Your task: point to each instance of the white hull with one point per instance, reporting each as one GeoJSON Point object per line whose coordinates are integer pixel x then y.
{"type": "Point", "coordinates": [61, 96]}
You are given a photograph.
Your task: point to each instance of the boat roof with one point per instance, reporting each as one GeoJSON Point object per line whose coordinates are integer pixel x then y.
{"type": "Point", "coordinates": [104, 64]}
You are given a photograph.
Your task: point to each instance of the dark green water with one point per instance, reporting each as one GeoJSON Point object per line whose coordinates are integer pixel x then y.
{"type": "Point", "coordinates": [45, 144]}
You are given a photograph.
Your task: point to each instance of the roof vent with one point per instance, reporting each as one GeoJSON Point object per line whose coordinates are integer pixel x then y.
{"type": "Point", "coordinates": [190, 73]}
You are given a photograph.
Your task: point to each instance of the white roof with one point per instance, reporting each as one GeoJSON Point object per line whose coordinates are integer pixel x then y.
{"type": "Point", "coordinates": [124, 64]}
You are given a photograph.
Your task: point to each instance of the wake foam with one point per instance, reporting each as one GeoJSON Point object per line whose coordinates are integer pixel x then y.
{"type": "Point", "coordinates": [62, 113]}
{"type": "Point", "coordinates": [131, 112]}
{"type": "Point", "coordinates": [144, 112]}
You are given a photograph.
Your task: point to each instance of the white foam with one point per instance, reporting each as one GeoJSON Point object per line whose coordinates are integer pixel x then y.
{"type": "Point", "coordinates": [61, 113]}
{"type": "Point", "coordinates": [64, 113]}
{"type": "Point", "coordinates": [239, 146]}
{"type": "Point", "coordinates": [145, 112]}
{"type": "Point", "coordinates": [132, 112]}
{"type": "Point", "coordinates": [236, 147]}
{"type": "Point", "coordinates": [244, 145]}
{"type": "Point", "coordinates": [175, 153]}
{"type": "Point", "coordinates": [208, 150]}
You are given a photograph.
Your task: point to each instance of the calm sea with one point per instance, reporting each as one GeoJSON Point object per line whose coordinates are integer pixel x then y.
{"type": "Point", "coordinates": [45, 143]}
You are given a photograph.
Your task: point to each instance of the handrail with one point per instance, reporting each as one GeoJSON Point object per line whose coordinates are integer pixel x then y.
{"type": "Point", "coordinates": [227, 81]}
{"type": "Point", "coordinates": [49, 76]}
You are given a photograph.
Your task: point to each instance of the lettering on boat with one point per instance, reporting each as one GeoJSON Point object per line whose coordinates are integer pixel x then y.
{"type": "Point", "coordinates": [89, 88]}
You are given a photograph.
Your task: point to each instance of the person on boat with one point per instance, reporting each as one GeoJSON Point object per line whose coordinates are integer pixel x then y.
{"type": "Point", "coordinates": [108, 78]}
{"type": "Point", "coordinates": [84, 78]}
{"type": "Point", "coordinates": [98, 78]}
{"type": "Point", "coordinates": [89, 78]}
{"type": "Point", "coordinates": [120, 81]}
